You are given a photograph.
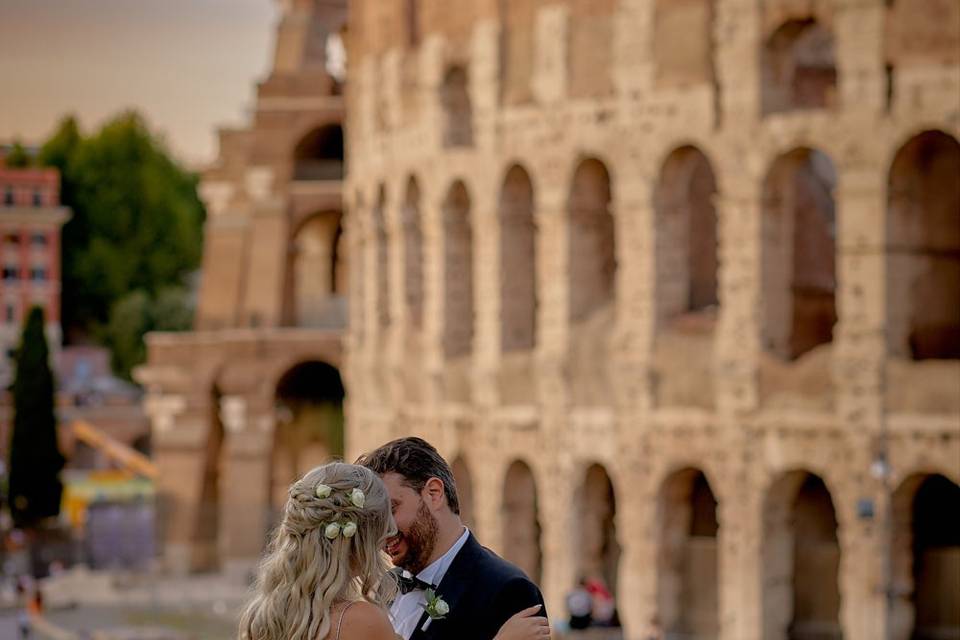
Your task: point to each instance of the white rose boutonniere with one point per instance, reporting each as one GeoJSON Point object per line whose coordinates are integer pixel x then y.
{"type": "Point", "coordinates": [436, 607]}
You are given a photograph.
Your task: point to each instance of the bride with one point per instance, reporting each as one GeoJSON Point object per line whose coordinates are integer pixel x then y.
{"type": "Point", "coordinates": [325, 576]}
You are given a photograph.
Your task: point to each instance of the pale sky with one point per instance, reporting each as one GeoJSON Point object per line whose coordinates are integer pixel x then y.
{"type": "Point", "coordinates": [188, 65]}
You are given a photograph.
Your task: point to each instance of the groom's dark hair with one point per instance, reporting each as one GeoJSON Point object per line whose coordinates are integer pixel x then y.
{"type": "Point", "coordinates": [417, 461]}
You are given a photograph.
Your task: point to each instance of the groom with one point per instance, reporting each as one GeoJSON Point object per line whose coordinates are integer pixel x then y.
{"type": "Point", "coordinates": [435, 553]}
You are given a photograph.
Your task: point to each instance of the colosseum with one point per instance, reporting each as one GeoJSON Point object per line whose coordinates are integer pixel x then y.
{"type": "Point", "coordinates": [675, 284]}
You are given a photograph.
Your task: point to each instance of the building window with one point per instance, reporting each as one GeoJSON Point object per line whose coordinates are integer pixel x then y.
{"type": "Point", "coordinates": [11, 238]}
{"type": "Point", "coordinates": [37, 198]}
{"type": "Point", "coordinates": [38, 273]}
{"type": "Point", "coordinates": [11, 272]}
{"type": "Point", "coordinates": [38, 239]}
{"type": "Point", "coordinates": [8, 196]}
{"type": "Point", "coordinates": [10, 312]}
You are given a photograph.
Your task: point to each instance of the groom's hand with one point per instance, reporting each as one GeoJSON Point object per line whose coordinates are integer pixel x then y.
{"type": "Point", "coordinates": [525, 625]}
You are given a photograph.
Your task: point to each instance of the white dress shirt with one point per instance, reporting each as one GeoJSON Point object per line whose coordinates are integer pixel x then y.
{"type": "Point", "coordinates": [407, 609]}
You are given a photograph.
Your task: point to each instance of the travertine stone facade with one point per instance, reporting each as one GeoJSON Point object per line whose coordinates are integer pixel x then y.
{"type": "Point", "coordinates": [671, 281]}
{"type": "Point", "coordinates": [253, 396]}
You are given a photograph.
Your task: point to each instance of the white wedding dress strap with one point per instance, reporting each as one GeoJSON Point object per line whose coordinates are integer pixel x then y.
{"type": "Point", "coordinates": [344, 611]}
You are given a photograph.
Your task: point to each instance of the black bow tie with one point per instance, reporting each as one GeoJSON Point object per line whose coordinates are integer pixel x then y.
{"type": "Point", "coordinates": [409, 582]}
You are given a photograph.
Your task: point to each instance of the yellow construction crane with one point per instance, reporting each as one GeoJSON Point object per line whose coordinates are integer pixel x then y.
{"type": "Point", "coordinates": [125, 456]}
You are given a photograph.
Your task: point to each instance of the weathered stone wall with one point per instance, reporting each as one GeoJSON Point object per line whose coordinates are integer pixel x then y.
{"type": "Point", "coordinates": [782, 393]}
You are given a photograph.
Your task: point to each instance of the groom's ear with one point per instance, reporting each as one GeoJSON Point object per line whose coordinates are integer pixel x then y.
{"type": "Point", "coordinates": [433, 493]}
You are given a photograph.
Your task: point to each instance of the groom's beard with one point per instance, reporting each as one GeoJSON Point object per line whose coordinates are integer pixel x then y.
{"type": "Point", "coordinates": [421, 539]}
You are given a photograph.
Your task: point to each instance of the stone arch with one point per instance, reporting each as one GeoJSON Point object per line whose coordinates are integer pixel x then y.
{"type": "Point", "coordinates": [692, 22]}
{"type": "Point", "coordinates": [798, 67]}
{"type": "Point", "coordinates": [410, 220]}
{"type": "Point", "coordinates": [925, 550]}
{"type": "Point", "coordinates": [464, 480]}
{"type": "Point", "coordinates": [316, 266]}
{"type": "Point", "coordinates": [798, 251]}
{"type": "Point", "coordinates": [457, 108]}
{"type": "Point", "coordinates": [800, 560]}
{"type": "Point", "coordinates": [521, 520]}
{"type": "Point", "coordinates": [590, 58]}
{"type": "Point", "coordinates": [457, 272]}
{"type": "Point", "coordinates": [919, 33]}
{"type": "Point", "coordinates": [518, 262]}
{"type": "Point", "coordinates": [309, 425]}
{"type": "Point", "coordinates": [688, 570]}
{"type": "Point", "coordinates": [517, 49]}
{"type": "Point", "coordinates": [381, 259]}
{"type": "Point", "coordinates": [319, 154]}
{"type": "Point", "coordinates": [686, 227]}
{"type": "Point", "coordinates": [592, 255]}
{"type": "Point", "coordinates": [205, 548]}
{"type": "Point", "coordinates": [923, 248]}
{"type": "Point", "coordinates": [596, 546]}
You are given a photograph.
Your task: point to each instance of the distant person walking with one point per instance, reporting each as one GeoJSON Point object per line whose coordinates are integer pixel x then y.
{"type": "Point", "coordinates": [580, 606]}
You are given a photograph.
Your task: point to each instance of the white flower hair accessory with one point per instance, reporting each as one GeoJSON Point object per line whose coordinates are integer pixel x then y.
{"type": "Point", "coordinates": [332, 530]}
{"type": "Point", "coordinates": [324, 491]}
{"type": "Point", "coordinates": [349, 530]}
{"type": "Point", "coordinates": [358, 498]}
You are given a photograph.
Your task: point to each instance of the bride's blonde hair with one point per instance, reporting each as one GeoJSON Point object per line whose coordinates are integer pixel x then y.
{"type": "Point", "coordinates": [305, 573]}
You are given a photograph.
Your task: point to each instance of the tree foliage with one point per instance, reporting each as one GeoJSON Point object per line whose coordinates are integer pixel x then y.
{"type": "Point", "coordinates": [18, 158]}
{"type": "Point", "coordinates": [35, 458]}
{"type": "Point", "coordinates": [136, 222]}
{"type": "Point", "coordinates": [136, 314]}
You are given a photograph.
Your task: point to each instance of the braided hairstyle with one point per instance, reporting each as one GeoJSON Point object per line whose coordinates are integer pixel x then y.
{"type": "Point", "coordinates": [305, 573]}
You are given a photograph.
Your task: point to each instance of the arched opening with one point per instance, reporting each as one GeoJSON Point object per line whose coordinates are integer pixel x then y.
{"type": "Point", "coordinates": [800, 560]}
{"type": "Point", "coordinates": [309, 425]}
{"type": "Point", "coordinates": [689, 21]}
{"type": "Point", "coordinates": [457, 110]}
{"type": "Point", "coordinates": [464, 480]}
{"type": "Point", "coordinates": [206, 538]}
{"type": "Point", "coordinates": [923, 248]}
{"type": "Point", "coordinates": [457, 272]}
{"type": "Point", "coordinates": [518, 262]}
{"type": "Point", "coordinates": [597, 549]}
{"type": "Point", "coordinates": [799, 69]}
{"type": "Point", "coordinates": [521, 520]}
{"type": "Point", "coordinates": [412, 253]}
{"type": "Point", "coordinates": [319, 154]}
{"type": "Point", "coordinates": [926, 559]}
{"type": "Point", "coordinates": [687, 235]}
{"type": "Point", "coordinates": [317, 272]}
{"type": "Point", "coordinates": [382, 261]}
{"type": "Point", "coordinates": [592, 257]}
{"type": "Point", "coordinates": [799, 253]}
{"type": "Point", "coordinates": [919, 34]}
{"type": "Point", "coordinates": [590, 50]}
{"type": "Point", "coordinates": [517, 47]}
{"type": "Point", "coordinates": [688, 572]}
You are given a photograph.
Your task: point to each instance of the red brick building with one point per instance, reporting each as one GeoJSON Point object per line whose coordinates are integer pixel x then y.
{"type": "Point", "coordinates": [30, 221]}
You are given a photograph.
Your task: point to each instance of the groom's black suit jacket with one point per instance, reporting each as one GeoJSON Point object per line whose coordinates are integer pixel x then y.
{"type": "Point", "coordinates": [483, 591]}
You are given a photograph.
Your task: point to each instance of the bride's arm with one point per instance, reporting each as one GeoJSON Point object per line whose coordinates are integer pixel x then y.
{"type": "Point", "coordinates": [525, 625]}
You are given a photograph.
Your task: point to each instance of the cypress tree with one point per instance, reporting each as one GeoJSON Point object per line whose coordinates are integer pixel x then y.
{"type": "Point", "coordinates": [35, 458]}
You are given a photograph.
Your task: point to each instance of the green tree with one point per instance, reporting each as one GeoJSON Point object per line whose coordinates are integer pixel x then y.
{"type": "Point", "coordinates": [135, 315]}
{"type": "Point", "coordinates": [18, 158]}
{"type": "Point", "coordinates": [35, 458]}
{"type": "Point", "coordinates": [136, 224]}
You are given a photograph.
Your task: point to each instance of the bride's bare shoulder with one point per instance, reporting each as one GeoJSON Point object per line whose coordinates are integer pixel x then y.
{"type": "Point", "coordinates": [366, 621]}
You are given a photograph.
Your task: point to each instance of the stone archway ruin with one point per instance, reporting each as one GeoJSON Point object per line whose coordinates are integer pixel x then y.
{"type": "Point", "coordinates": [521, 520]}
{"type": "Point", "coordinates": [800, 560]}
{"type": "Point", "coordinates": [687, 570]}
